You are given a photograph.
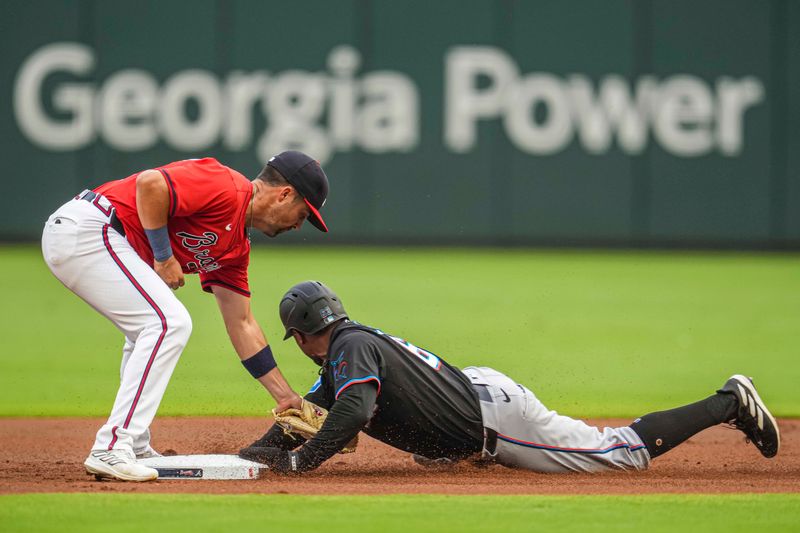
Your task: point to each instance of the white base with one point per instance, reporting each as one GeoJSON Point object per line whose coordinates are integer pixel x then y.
{"type": "Point", "coordinates": [204, 467]}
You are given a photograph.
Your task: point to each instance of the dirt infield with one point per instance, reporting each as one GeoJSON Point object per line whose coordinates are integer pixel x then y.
{"type": "Point", "coordinates": [45, 455]}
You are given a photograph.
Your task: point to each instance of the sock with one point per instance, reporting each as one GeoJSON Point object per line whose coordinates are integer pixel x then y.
{"type": "Point", "coordinates": [663, 430]}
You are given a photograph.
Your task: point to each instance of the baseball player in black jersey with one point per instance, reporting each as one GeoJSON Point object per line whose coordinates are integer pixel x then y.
{"type": "Point", "coordinates": [415, 401]}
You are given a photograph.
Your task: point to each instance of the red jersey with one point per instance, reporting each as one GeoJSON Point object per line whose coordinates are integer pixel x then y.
{"type": "Point", "coordinates": [207, 206]}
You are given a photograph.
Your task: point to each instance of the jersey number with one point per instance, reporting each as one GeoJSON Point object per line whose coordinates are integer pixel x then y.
{"type": "Point", "coordinates": [427, 357]}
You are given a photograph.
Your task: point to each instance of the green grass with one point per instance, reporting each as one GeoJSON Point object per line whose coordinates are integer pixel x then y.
{"type": "Point", "coordinates": [593, 334]}
{"type": "Point", "coordinates": [177, 513]}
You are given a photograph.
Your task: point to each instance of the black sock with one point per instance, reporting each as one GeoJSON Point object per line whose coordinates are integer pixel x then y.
{"type": "Point", "coordinates": [664, 430]}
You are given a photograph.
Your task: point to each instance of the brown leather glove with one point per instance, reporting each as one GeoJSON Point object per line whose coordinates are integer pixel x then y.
{"type": "Point", "coordinates": [306, 422]}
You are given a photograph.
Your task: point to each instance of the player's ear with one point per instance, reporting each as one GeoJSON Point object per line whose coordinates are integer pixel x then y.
{"type": "Point", "coordinates": [287, 193]}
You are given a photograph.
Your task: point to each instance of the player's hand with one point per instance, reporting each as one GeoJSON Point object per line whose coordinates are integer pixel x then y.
{"type": "Point", "coordinates": [280, 461]}
{"type": "Point", "coordinates": [295, 402]}
{"type": "Point", "coordinates": [170, 272]}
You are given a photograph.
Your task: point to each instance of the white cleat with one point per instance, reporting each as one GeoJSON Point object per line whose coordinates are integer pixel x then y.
{"type": "Point", "coordinates": [147, 453]}
{"type": "Point", "coordinates": [118, 464]}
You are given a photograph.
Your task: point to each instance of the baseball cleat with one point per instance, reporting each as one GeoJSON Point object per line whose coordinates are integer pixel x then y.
{"type": "Point", "coordinates": [753, 418]}
{"type": "Point", "coordinates": [118, 464]}
{"type": "Point", "coordinates": [147, 453]}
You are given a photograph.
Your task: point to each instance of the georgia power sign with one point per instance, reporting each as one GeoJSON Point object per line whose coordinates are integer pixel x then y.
{"type": "Point", "coordinates": [343, 108]}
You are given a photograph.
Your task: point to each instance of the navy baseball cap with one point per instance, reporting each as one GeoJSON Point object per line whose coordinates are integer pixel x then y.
{"type": "Point", "coordinates": [307, 177]}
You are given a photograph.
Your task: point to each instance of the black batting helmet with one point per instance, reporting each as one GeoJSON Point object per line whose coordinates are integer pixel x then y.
{"type": "Point", "coordinates": [309, 307]}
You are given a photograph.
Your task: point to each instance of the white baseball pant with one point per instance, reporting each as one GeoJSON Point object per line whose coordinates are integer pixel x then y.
{"type": "Point", "coordinates": [99, 265]}
{"type": "Point", "coordinates": [531, 436]}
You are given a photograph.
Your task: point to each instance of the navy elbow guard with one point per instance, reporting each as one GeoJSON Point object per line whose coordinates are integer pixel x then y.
{"type": "Point", "coordinates": [261, 363]}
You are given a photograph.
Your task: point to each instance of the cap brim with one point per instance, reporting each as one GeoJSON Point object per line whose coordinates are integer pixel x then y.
{"type": "Point", "coordinates": [315, 218]}
{"type": "Point", "coordinates": [288, 334]}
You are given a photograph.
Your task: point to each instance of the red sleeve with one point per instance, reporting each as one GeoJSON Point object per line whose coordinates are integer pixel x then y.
{"type": "Point", "coordinates": [195, 185]}
{"type": "Point", "coordinates": [230, 276]}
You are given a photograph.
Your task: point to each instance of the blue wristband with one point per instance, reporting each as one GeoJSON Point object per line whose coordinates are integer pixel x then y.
{"type": "Point", "coordinates": [159, 243]}
{"type": "Point", "coordinates": [261, 363]}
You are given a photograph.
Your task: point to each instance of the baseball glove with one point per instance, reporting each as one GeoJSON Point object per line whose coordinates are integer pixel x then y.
{"type": "Point", "coordinates": [306, 422]}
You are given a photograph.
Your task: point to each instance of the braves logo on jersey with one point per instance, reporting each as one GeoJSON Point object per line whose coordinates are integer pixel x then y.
{"type": "Point", "coordinates": [200, 247]}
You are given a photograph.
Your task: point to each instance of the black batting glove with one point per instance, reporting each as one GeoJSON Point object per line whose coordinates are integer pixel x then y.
{"type": "Point", "coordinates": [281, 461]}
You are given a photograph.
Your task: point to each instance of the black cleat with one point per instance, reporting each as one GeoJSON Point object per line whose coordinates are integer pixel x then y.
{"type": "Point", "coordinates": [753, 418]}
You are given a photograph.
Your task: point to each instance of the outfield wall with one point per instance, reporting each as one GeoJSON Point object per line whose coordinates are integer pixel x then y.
{"type": "Point", "coordinates": [501, 122]}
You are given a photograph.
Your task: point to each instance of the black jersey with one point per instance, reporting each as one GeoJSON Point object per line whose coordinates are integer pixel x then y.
{"type": "Point", "coordinates": [395, 392]}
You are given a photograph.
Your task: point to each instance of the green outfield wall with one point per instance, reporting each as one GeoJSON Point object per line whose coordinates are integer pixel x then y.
{"type": "Point", "coordinates": [668, 122]}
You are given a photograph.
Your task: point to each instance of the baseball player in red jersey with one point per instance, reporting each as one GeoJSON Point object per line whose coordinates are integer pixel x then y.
{"type": "Point", "coordinates": [124, 245]}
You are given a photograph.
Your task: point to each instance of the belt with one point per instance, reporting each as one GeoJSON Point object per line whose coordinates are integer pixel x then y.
{"type": "Point", "coordinates": [113, 220]}
{"type": "Point", "coordinates": [489, 452]}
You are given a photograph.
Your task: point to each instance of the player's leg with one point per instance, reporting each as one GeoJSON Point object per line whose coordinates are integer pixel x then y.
{"type": "Point", "coordinates": [557, 443]}
{"type": "Point", "coordinates": [529, 435]}
{"type": "Point", "coordinates": [141, 443]}
{"type": "Point", "coordinates": [737, 402]}
{"type": "Point", "coordinates": [133, 297]}
{"type": "Point", "coordinates": [532, 436]}
{"type": "Point", "coordinates": [100, 266]}
{"type": "Point", "coordinates": [127, 350]}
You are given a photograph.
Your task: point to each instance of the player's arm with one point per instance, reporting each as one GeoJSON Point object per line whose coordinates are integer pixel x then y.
{"type": "Point", "coordinates": [275, 437]}
{"type": "Point", "coordinates": [251, 345]}
{"type": "Point", "coordinates": [348, 416]}
{"type": "Point", "coordinates": [355, 393]}
{"type": "Point", "coordinates": [152, 204]}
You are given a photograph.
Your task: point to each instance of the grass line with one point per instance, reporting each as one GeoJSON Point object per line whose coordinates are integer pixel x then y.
{"type": "Point", "coordinates": [418, 513]}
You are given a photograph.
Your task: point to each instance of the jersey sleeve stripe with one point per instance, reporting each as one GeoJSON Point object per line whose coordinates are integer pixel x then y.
{"type": "Point", "coordinates": [317, 384]}
{"type": "Point", "coordinates": [209, 282]}
{"type": "Point", "coordinates": [356, 381]}
{"type": "Point", "coordinates": [173, 197]}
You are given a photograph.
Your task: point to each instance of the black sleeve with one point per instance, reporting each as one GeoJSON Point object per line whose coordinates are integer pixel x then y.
{"type": "Point", "coordinates": [354, 374]}
{"type": "Point", "coordinates": [349, 415]}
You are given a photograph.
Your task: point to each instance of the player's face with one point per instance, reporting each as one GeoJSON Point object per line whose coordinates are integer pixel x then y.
{"type": "Point", "coordinates": [287, 213]}
{"type": "Point", "coordinates": [314, 346]}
